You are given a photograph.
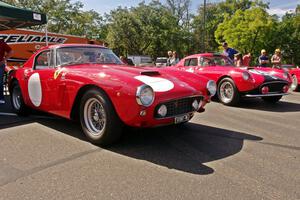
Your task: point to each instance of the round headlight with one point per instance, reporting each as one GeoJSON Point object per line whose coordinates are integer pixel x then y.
{"type": "Point", "coordinates": [162, 111]}
{"type": "Point", "coordinates": [246, 76]}
{"type": "Point", "coordinates": [211, 87]}
{"type": "Point", "coordinates": [286, 75]}
{"type": "Point", "coordinates": [145, 95]}
{"type": "Point", "coordinates": [195, 104]}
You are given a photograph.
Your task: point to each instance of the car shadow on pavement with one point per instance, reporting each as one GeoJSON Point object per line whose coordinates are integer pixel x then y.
{"type": "Point", "coordinates": [258, 104]}
{"type": "Point", "coordinates": [185, 148]}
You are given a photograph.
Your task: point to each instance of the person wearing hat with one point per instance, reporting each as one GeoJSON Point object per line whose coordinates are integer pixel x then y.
{"type": "Point", "coordinates": [276, 59]}
{"type": "Point", "coordinates": [229, 52]}
{"type": "Point", "coordinates": [263, 59]}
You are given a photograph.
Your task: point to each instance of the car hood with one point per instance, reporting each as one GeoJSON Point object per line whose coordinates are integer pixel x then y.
{"type": "Point", "coordinates": [161, 80]}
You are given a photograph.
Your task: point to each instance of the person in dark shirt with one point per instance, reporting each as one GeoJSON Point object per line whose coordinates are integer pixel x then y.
{"type": "Point", "coordinates": [229, 52]}
{"type": "Point", "coordinates": [263, 59]}
{"type": "Point", "coordinates": [5, 53]}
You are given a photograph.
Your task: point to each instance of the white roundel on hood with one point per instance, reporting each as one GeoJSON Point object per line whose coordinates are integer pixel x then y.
{"type": "Point", "coordinates": [35, 89]}
{"type": "Point", "coordinates": [157, 84]}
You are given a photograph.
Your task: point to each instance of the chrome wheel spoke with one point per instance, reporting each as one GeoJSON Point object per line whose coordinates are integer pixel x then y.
{"type": "Point", "coordinates": [94, 116]}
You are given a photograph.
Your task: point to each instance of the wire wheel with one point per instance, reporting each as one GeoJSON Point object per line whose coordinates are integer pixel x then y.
{"type": "Point", "coordinates": [16, 98]}
{"type": "Point", "coordinates": [94, 117]}
{"type": "Point", "coordinates": [226, 92]}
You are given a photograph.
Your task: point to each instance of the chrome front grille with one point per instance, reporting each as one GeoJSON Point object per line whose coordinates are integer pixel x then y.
{"type": "Point", "coordinates": [177, 107]}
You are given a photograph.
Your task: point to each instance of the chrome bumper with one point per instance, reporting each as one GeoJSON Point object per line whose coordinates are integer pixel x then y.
{"type": "Point", "coordinates": [266, 95]}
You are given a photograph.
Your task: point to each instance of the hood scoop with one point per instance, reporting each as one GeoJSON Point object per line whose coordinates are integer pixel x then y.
{"type": "Point", "coordinates": [150, 73]}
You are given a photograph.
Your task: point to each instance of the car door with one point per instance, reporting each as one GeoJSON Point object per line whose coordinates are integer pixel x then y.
{"type": "Point", "coordinates": [40, 81]}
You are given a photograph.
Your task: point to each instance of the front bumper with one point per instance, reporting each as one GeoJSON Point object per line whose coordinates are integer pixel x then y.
{"type": "Point", "coordinates": [266, 95]}
{"type": "Point", "coordinates": [275, 89]}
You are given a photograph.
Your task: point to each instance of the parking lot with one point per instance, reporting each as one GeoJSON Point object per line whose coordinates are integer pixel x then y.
{"type": "Point", "coordinates": [246, 152]}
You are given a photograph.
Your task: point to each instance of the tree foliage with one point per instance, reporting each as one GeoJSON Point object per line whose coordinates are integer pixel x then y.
{"type": "Point", "coordinates": [247, 30]}
{"type": "Point", "coordinates": [146, 29]}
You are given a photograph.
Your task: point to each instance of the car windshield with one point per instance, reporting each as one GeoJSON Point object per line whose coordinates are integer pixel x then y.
{"type": "Point", "coordinates": [215, 60]}
{"type": "Point", "coordinates": [80, 55]}
{"type": "Point", "coordinates": [288, 66]}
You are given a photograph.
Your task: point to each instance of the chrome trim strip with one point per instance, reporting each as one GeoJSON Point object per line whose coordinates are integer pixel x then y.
{"type": "Point", "coordinates": [266, 95]}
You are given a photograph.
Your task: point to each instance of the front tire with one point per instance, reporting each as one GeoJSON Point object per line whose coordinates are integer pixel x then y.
{"type": "Point", "coordinates": [228, 93]}
{"type": "Point", "coordinates": [17, 101]}
{"type": "Point", "coordinates": [273, 99]}
{"type": "Point", "coordinates": [98, 118]}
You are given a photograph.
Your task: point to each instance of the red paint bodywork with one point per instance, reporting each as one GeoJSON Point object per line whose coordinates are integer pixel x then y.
{"type": "Point", "coordinates": [216, 73]}
{"type": "Point", "coordinates": [117, 81]}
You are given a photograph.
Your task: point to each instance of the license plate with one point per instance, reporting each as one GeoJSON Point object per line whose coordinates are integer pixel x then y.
{"type": "Point", "coordinates": [182, 118]}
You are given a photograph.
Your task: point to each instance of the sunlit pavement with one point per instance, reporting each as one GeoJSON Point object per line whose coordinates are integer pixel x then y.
{"type": "Point", "coordinates": [246, 152]}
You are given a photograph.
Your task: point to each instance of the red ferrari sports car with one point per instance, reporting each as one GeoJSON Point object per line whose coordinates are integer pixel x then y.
{"type": "Point", "coordinates": [233, 83]}
{"type": "Point", "coordinates": [91, 84]}
{"type": "Point", "coordinates": [295, 73]}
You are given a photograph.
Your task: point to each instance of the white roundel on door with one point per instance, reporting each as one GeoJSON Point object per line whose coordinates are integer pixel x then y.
{"type": "Point", "coordinates": [157, 84]}
{"type": "Point", "coordinates": [35, 89]}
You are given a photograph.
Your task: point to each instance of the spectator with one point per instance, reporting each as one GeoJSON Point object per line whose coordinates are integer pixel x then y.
{"type": "Point", "coordinates": [238, 60]}
{"type": "Point", "coordinates": [263, 59]}
{"type": "Point", "coordinates": [174, 60]}
{"type": "Point", "coordinates": [229, 52]}
{"type": "Point", "coordinates": [247, 59]}
{"type": "Point", "coordinates": [276, 59]}
{"type": "Point", "coordinates": [170, 55]}
{"type": "Point", "coordinates": [5, 53]}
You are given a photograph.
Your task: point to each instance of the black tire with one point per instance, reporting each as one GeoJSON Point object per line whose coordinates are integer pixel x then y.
{"type": "Point", "coordinates": [110, 130]}
{"type": "Point", "coordinates": [17, 101]}
{"type": "Point", "coordinates": [234, 98]}
{"type": "Point", "coordinates": [273, 99]}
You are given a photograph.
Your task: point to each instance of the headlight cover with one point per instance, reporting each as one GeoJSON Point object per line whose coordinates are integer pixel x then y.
{"type": "Point", "coordinates": [211, 87]}
{"type": "Point", "coordinates": [145, 95]}
{"type": "Point", "coordinates": [246, 76]}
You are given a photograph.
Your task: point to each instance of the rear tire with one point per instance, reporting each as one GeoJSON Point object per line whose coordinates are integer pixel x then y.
{"type": "Point", "coordinates": [228, 93]}
{"type": "Point", "coordinates": [274, 99]}
{"type": "Point", "coordinates": [98, 118]}
{"type": "Point", "coordinates": [17, 101]}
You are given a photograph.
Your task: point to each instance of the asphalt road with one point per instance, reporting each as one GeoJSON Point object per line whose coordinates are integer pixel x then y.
{"type": "Point", "coordinates": [246, 152]}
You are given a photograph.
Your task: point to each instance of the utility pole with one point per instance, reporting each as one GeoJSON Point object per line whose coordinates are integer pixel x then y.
{"type": "Point", "coordinates": [204, 21]}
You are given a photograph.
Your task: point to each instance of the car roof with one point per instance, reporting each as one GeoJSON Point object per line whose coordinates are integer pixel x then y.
{"type": "Point", "coordinates": [72, 45]}
{"type": "Point", "coordinates": [206, 55]}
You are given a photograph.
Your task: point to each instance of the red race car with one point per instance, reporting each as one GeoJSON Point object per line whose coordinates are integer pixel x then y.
{"type": "Point", "coordinates": [91, 84]}
{"type": "Point", "coordinates": [233, 83]}
{"type": "Point", "coordinates": [295, 73]}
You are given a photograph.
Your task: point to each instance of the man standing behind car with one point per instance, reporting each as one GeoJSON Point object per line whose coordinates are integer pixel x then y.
{"type": "Point", "coordinates": [5, 53]}
{"type": "Point", "coordinates": [263, 59]}
{"type": "Point", "coordinates": [229, 52]}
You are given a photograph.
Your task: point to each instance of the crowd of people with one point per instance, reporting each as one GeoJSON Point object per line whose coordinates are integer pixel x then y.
{"type": "Point", "coordinates": [263, 59]}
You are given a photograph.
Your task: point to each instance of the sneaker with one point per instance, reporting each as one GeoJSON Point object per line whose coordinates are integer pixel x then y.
{"type": "Point", "coordinates": [2, 102]}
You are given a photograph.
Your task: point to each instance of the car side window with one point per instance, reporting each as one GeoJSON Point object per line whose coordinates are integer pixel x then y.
{"type": "Point", "coordinates": [44, 60]}
{"type": "Point", "coordinates": [186, 62]}
{"type": "Point", "coordinates": [191, 62]}
{"type": "Point", "coordinates": [204, 62]}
